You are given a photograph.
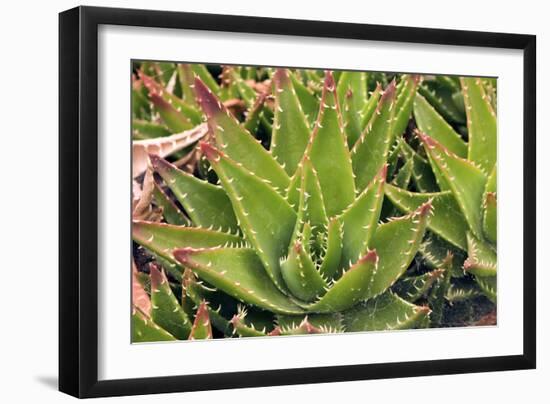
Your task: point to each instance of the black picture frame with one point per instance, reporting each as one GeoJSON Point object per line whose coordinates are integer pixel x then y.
{"type": "Point", "coordinates": [78, 200]}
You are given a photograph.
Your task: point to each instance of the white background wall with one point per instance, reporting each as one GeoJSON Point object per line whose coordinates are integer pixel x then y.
{"type": "Point", "coordinates": [28, 206]}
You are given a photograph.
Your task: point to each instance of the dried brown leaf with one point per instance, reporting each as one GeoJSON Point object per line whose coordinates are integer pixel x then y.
{"type": "Point", "coordinates": [163, 146]}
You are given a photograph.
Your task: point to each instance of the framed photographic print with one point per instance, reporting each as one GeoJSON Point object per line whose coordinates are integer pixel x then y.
{"type": "Point", "coordinates": [250, 201]}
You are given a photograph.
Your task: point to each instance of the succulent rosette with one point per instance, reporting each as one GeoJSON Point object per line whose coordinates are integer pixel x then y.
{"type": "Point", "coordinates": [310, 202]}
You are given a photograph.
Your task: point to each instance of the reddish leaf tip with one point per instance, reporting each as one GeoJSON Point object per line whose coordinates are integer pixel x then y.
{"type": "Point", "coordinates": [158, 101]}
{"type": "Point", "coordinates": [436, 273]}
{"type": "Point", "coordinates": [370, 256]}
{"type": "Point", "coordinates": [276, 332]}
{"type": "Point", "coordinates": [384, 171]}
{"type": "Point", "coordinates": [182, 254]}
{"type": "Point", "coordinates": [147, 81]}
{"type": "Point", "coordinates": [423, 309]}
{"type": "Point", "coordinates": [236, 319]}
{"type": "Point", "coordinates": [468, 264]}
{"type": "Point", "coordinates": [417, 78]}
{"type": "Point", "coordinates": [309, 328]}
{"type": "Point", "coordinates": [389, 92]}
{"type": "Point", "coordinates": [425, 209]}
{"type": "Point", "coordinates": [427, 140]}
{"type": "Point", "coordinates": [211, 153]}
{"type": "Point", "coordinates": [281, 78]}
{"type": "Point", "coordinates": [157, 276]}
{"type": "Point", "coordinates": [330, 84]}
{"type": "Point", "coordinates": [156, 161]}
{"type": "Point", "coordinates": [491, 198]}
{"type": "Point", "coordinates": [208, 102]}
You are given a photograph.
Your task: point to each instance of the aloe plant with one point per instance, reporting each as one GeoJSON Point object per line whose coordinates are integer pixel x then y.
{"type": "Point", "coordinates": [313, 202]}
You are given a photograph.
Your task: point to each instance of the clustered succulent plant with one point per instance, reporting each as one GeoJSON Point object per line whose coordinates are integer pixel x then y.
{"type": "Point", "coordinates": [290, 201]}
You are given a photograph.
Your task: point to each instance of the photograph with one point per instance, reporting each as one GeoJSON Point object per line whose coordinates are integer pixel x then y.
{"type": "Point", "coordinates": [273, 201]}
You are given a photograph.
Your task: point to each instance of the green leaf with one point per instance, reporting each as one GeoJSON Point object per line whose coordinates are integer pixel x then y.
{"type": "Point", "coordinates": [145, 330]}
{"type": "Point", "coordinates": [370, 106]}
{"type": "Point", "coordinates": [404, 102]}
{"type": "Point", "coordinates": [228, 87]}
{"type": "Point", "coordinates": [148, 130]}
{"type": "Point", "coordinates": [311, 207]}
{"type": "Point", "coordinates": [351, 118]}
{"type": "Point", "coordinates": [488, 285]}
{"type": "Point", "coordinates": [412, 288]}
{"type": "Point", "coordinates": [202, 328]}
{"type": "Point", "coordinates": [490, 208]}
{"type": "Point", "coordinates": [265, 217]}
{"type": "Point", "coordinates": [434, 251]}
{"type": "Point", "coordinates": [331, 260]}
{"type": "Point", "coordinates": [329, 153]}
{"type": "Point", "coordinates": [206, 204]}
{"type": "Point", "coordinates": [187, 77]}
{"type": "Point", "coordinates": [245, 330]}
{"type": "Point", "coordinates": [441, 99]}
{"type": "Point", "coordinates": [236, 142]}
{"type": "Point", "coordinates": [370, 152]}
{"type": "Point", "coordinates": [162, 239]}
{"type": "Point", "coordinates": [439, 292]}
{"type": "Point", "coordinates": [166, 311]}
{"type": "Point", "coordinates": [248, 95]}
{"type": "Point", "coordinates": [461, 293]}
{"type": "Point", "coordinates": [482, 259]}
{"type": "Point", "coordinates": [354, 83]}
{"type": "Point", "coordinates": [175, 109]}
{"type": "Point", "coordinates": [253, 115]}
{"type": "Point", "coordinates": [305, 327]}
{"type": "Point", "coordinates": [220, 306]}
{"type": "Point", "coordinates": [353, 286]}
{"type": "Point", "coordinates": [310, 103]}
{"type": "Point", "coordinates": [140, 104]}
{"type": "Point", "coordinates": [291, 131]}
{"type": "Point", "coordinates": [324, 323]}
{"type": "Point", "coordinates": [447, 220]}
{"type": "Point", "coordinates": [403, 176]}
{"type": "Point", "coordinates": [482, 124]}
{"type": "Point", "coordinates": [172, 118]}
{"type": "Point", "coordinates": [466, 181]}
{"type": "Point", "coordinates": [396, 243]}
{"type": "Point", "coordinates": [202, 72]}
{"type": "Point", "coordinates": [384, 313]}
{"type": "Point", "coordinates": [435, 126]}
{"type": "Point", "coordinates": [300, 274]}
{"type": "Point", "coordinates": [359, 219]}
{"type": "Point", "coordinates": [170, 211]}
{"type": "Point", "coordinates": [239, 273]}
{"type": "Point", "coordinates": [422, 174]}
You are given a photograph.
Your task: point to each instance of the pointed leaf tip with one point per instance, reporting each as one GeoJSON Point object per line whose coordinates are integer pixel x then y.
{"type": "Point", "coordinates": [370, 256]}
{"type": "Point", "coordinates": [182, 254]}
{"type": "Point", "coordinates": [281, 78]}
{"type": "Point", "coordinates": [422, 309]}
{"type": "Point", "coordinates": [389, 92]}
{"type": "Point", "coordinates": [425, 209]}
{"type": "Point", "coordinates": [148, 82]}
{"type": "Point", "coordinates": [468, 264]}
{"type": "Point", "coordinates": [383, 172]}
{"type": "Point", "coordinates": [156, 275]}
{"type": "Point", "coordinates": [208, 102]}
{"type": "Point", "coordinates": [427, 140]}
{"type": "Point", "coordinates": [155, 160]}
{"type": "Point", "coordinates": [211, 153]}
{"type": "Point", "coordinates": [330, 84]}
